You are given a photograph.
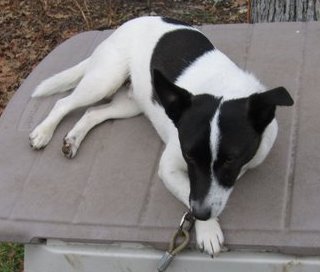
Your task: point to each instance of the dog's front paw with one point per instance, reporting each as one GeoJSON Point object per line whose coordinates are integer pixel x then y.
{"type": "Point", "coordinates": [209, 236]}
{"type": "Point", "coordinates": [40, 137]}
{"type": "Point", "coordinates": [70, 147]}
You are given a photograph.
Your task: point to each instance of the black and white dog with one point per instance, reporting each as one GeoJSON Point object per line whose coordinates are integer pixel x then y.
{"type": "Point", "coordinates": [216, 120]}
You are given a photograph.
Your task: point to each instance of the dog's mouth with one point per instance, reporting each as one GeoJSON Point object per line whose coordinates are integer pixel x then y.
{"type": "Point", "coordinates": [205, 213]}
{"type": "Point", "coordinates": [200, 211]}
{"type": "Point", "coordinates": [212, 205]}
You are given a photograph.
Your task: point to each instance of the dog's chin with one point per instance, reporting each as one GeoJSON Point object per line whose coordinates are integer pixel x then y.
{"type": "Point", "coordinates": [219, 205]}
{"type": "Point", "coordinates": [216, 212]}
{"type": "Point", "coordinates": [204, 214]}
{"type": "Point", "coordinates": [204, 217]}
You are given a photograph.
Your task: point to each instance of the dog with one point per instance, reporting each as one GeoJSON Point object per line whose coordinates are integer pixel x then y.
{"type": "Point", "coordinates": [216, 120]}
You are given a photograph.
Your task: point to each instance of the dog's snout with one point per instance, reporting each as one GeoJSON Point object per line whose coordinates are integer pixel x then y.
{"type": "Point", "coordinates": [201, 213]}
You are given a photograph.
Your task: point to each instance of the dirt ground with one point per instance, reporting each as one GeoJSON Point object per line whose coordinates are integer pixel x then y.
{"type": "Point", "coordinates": [31, 29]}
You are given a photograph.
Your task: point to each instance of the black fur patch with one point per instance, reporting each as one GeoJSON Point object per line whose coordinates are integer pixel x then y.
{"type": "Point", "coordinates": [173, 21]}
{"type": "Point", "coordinates": [176, 50]}
{"type": "Point", "coordinates": [238, 143]}
{"type": "Point", "coordinates": [263, 106]}
{"type": "Point", "coordinates": [194, 134]}
{"type": "Point", "coordinates": [175, 100]}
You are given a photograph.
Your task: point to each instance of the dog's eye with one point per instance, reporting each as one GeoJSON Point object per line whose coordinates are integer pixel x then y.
{"type": "Point", "coordinates": [228, 161]}
{"type": "Point", "coordinates": [188, 157]}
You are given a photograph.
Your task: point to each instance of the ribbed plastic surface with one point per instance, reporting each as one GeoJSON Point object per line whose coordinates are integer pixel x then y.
{"type": "Point", "coordinates": [111, 190]}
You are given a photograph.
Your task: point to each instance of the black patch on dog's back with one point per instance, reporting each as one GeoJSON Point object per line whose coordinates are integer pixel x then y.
{"type": "Point", "coordinates": [176, 50]}
{"type": "Point", "coordinates": [174, 21]}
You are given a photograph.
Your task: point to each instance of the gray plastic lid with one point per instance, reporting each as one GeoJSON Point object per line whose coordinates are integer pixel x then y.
{"type": "Point", "coordinates": [111, 190]}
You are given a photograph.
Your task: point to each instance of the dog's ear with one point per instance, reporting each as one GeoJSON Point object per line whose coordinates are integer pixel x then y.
{"type": "Point", "coordinates": [174, 99]}
{"type": "Point", "coordinates": [262, 106]}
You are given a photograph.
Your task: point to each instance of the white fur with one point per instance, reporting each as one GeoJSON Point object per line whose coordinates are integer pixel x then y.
{"type": "Point", "coordinates": [121, 106]}
{"type": "Point", "coordinates": [268, 139]}
{"type": "Point", "coordinates": [211, 73]}
{"type": "Point", "coordinates": [127, 52]}
{"type": "Point", "coordinates": [209, 236]}
{"type": "Point", "coordinates": [61, 82]}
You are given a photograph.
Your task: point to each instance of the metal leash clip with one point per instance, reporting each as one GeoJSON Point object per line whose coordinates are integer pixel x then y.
{"type": "Point", "coordinates": [175, 246]}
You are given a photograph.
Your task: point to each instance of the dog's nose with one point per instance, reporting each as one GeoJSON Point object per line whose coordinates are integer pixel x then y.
{"type": "Point", "coordinates": [201, 213]}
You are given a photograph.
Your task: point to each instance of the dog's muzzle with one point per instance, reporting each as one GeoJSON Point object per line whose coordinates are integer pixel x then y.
{"type": "Point", "coordinates": [200, 211]}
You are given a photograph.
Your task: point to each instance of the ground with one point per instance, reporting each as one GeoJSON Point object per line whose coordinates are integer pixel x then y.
{"type": "Point", "coordinates": [31, 29]}
{"type": "Point", "coordinates": [11, 257]}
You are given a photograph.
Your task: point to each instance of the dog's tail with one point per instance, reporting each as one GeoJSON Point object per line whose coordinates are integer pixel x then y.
{"type": "Point", "coordinates": [62, 81]}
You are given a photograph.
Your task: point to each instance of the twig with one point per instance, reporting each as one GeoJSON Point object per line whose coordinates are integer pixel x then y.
{"type": "Point", "coordinates": [83, 14]}
{"type": "Point", "coordinates": [249, 12]}
{"type": "Point", "coordinates": [110, 13]}
{"type": "Point", "coordinates": [86, 6]}
{"type": "Point", "coordinates": [44, 4]}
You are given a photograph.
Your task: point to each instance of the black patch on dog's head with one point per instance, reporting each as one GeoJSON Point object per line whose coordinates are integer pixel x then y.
{"type": "Point", "coordinates": [175, 51]}
{"type": "Point", "coordinates": [238, 141]}
{"type": "Point", "coordinates": [174, 21]}
{"type": "Point", "coordinates": [192, 115]}
{"type": "Point", "coordinates": [194, 134]}
{"type": "Point", "coordinates": [263, 106]}
{"type": "Point", "coordinates": [241, 125]}
{"type": "Point", "coordinates": [175, 100]}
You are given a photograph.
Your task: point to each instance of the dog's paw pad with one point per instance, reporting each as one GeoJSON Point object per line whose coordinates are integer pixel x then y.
{"type": "Point", "coordinates": [209, 236]}
{"type": "Point", "coordinates": [69, 148]}
{"type": "Point", "coordinates": [39, 138]}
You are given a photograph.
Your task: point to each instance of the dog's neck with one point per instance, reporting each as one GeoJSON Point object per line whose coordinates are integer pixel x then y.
{"type": "Point", "coordinates": [211, 74]}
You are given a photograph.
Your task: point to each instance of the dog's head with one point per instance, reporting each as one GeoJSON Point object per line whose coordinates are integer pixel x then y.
{"type": "Point", "coordinates": [218, 138]}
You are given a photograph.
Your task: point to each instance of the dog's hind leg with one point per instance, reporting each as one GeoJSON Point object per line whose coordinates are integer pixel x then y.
{"type": "Point", "coordinates": [172, 171]}
{"type": "Point", "coordinates": [102, 79]}
{"type": "Point", "coordinates": [121, 106]}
